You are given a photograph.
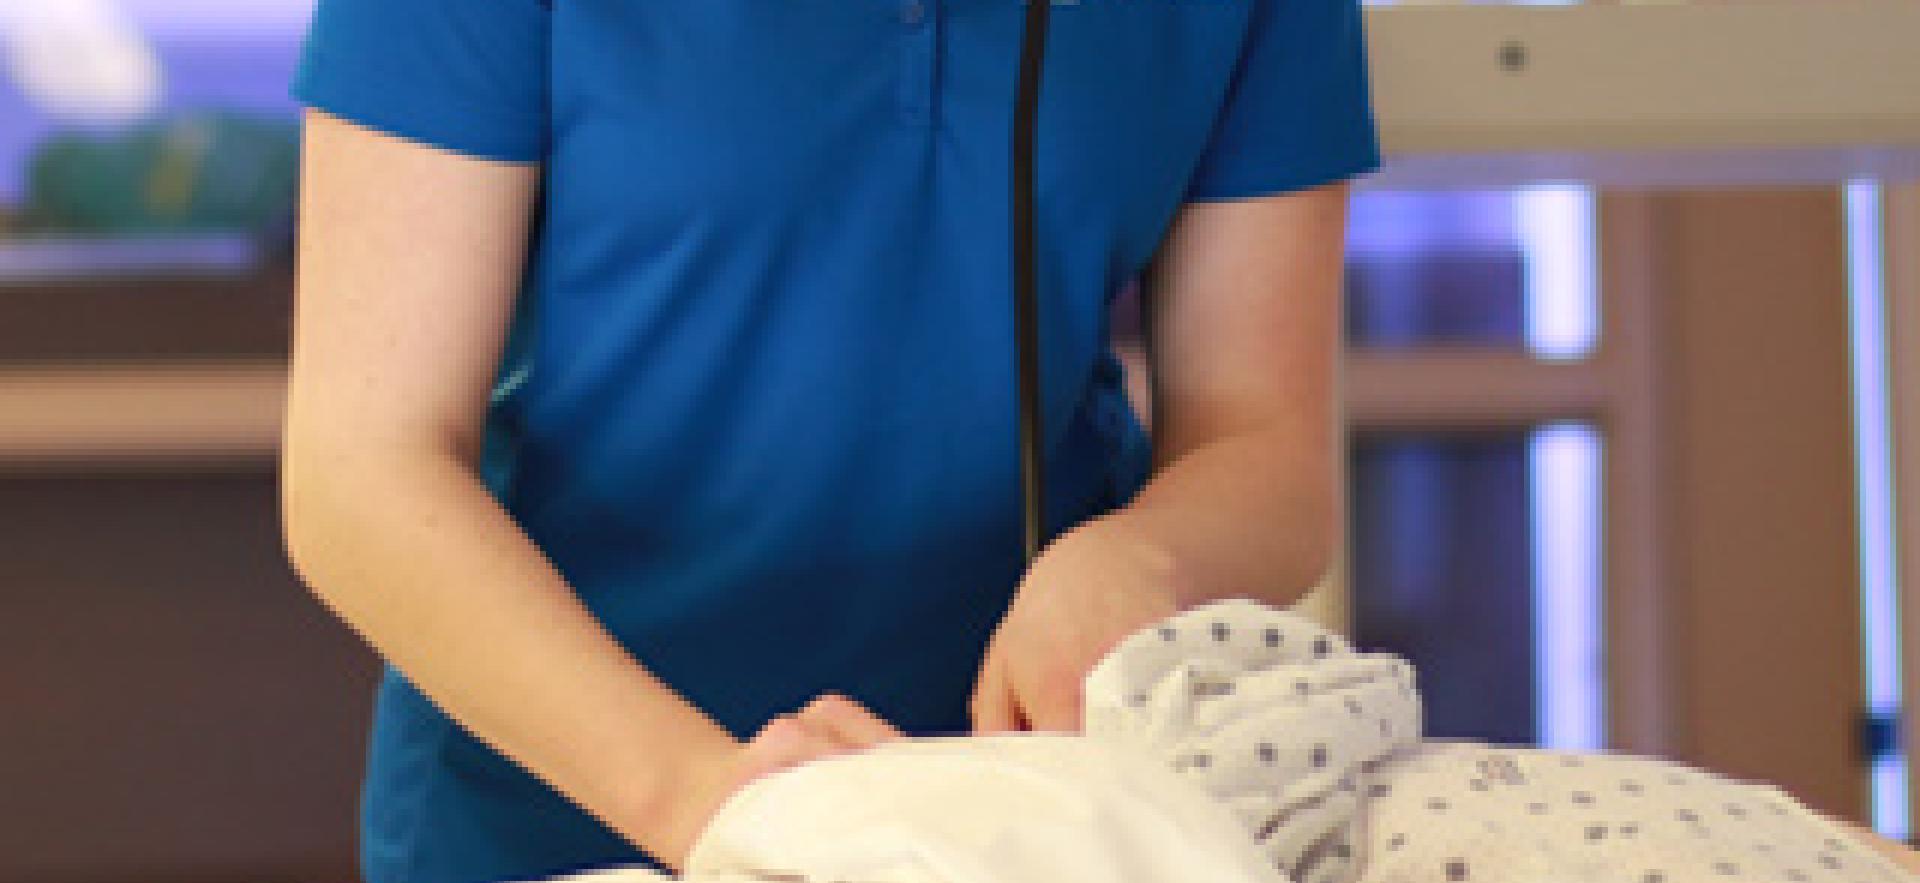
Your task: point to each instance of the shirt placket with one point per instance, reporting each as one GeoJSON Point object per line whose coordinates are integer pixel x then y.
{"type": "Point", "coordinates": [919, 23]}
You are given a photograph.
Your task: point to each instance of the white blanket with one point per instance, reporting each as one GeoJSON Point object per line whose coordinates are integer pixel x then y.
{"type": "Point", "coordinates": [1239, 743]}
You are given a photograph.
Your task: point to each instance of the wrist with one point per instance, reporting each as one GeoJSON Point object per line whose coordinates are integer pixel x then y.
{"type": "Point", "coordinates": [1159, 561]}
{"type": "Point", "coordinates": [665, 815]}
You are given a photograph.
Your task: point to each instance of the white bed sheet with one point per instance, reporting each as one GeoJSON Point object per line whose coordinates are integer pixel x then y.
{"type": "Point", "coordinates": [1236, 742]}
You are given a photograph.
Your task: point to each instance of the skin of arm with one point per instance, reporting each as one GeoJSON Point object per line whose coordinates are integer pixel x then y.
{"type": "Point", "coordinates": [1243, 314]}
{"type": "Point", "coordinates": [409, 259]}
{"type": "Point", "coordinates": [1244, 325]}
{"type": "Point", "coordinates": [1243, 336]}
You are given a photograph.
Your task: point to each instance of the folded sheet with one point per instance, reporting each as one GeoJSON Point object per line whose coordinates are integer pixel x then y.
{"type": "Point", "coordinates": [1235, 742]}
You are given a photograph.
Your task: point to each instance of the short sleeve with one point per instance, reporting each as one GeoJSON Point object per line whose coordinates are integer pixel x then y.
{"type": "Point", "coordinates": [462, 75]}
{"type": "Point", "coordinates": [1298, 112]}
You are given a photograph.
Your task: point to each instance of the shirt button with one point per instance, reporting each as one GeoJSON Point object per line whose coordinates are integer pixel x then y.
{"type": "Point", "coordinates": [912, 12]}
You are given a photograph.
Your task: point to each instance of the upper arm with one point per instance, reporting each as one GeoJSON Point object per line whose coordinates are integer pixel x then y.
{"type": "Point", "coordinates": [1243, 321]}
{"type": "Point", "coordinates": [421, 154]}
{"type": "Point", "coordinates": [409, 263]}
{"type": "Point", "coordinates": [1242, 296]}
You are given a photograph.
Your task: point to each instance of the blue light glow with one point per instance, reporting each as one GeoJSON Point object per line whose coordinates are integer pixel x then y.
{"type": "Point", "coordinates": [1555, 225]}
{"type": "Point", "coordinates": [1564, 462]}
{"type": "Point", "coordinates": [1879, 578]}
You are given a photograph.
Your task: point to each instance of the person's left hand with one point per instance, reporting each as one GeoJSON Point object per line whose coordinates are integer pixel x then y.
{"type": "Point", "coordinates": [1090, 588]}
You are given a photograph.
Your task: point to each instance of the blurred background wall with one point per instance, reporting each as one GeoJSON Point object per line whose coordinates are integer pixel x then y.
{"type": "Point", "coordinates": [1619, 475]}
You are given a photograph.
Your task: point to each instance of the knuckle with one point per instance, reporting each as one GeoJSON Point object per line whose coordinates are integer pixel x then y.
{"type": "Point", "coordinates": [778, 727]}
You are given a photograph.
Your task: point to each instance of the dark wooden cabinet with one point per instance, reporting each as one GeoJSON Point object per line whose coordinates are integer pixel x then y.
{"type": "Point", "coordinates": [177, 705]}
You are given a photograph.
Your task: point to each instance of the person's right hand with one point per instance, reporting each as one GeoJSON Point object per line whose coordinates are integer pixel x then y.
{"type": "Point", "coordinates": [829, 724]}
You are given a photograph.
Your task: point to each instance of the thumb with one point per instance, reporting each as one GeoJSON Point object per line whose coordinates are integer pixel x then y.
{"type": "Point", "coordinates": [992, 704]}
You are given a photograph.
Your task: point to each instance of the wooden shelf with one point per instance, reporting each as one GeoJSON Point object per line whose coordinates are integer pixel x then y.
{"type": "Point", "coordinates": [1664, 93]}
{"type": "Point", "coordinates": [141, 413]}
{"type": "Point", "coordinates": [175, 412]}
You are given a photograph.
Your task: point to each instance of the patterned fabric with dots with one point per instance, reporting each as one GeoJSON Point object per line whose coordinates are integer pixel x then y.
{"type": "Point", "coordinates": [1317, 749]}
{"type": "Point", "coordinates": [1235, 742]}
{"type": "Point", "coordinates": [1274, 716]}
{"type": "Point", "coordinates": [1458, 810]}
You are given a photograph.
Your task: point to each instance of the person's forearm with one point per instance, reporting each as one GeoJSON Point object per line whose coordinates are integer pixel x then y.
{"type": "Point", "coordinates": [1240, 516]}
{"type": "Point", "coordinates": [416, 555]}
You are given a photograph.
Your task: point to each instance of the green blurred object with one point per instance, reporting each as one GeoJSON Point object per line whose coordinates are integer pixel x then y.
{"type": "Point", "coordinates": [189, 171]}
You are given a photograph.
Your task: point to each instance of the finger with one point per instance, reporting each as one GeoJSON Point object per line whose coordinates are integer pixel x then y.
{"type": "Point", "coordinates": [847, 720]}
{"type": "Point", "coordinates": [818, 721]}
{"type": "Point", "coordinates": [779, 732]}
{"type": "Point", "coordinates": [786, 740]}
{"type": "Point", "coordinates": [852, 720]}
{"type": "Point", "coordinates": [992, 705]}
{"type": "Point", "coordinates": [1022, 719]}
{"type": "Point", "coordinates": [1057, 709]}
{"type": "Point", "coordinates": [820, 743]}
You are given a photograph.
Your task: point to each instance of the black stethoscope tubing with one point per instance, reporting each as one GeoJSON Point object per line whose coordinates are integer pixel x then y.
{"type": "Point", "coordinates": [1033, 38]}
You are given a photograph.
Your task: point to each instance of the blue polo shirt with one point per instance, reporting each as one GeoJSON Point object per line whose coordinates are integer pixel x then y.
{"type": "Point", "coordinates": [757, 403]}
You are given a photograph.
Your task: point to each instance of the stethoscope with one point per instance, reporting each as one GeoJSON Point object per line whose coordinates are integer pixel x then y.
{"type": "Point", "coordinates": [1033, 39]}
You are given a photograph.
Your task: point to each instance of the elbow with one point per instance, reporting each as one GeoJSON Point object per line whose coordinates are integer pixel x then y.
{"type": "Point", "coordinates": [319, 481]}
{"type": "Point", "coordinates": [326, 479]}
{"type": "Point", "coordinates": [1313, 544]}
{"type": "Point", "coordinates": [288, 498]}
{"type": "Point", "coordinates": [310, 467]}
{"type": "Point", "coordinates": [297, 490]}
{"type": "Point", "coordinates": [1308, 564]}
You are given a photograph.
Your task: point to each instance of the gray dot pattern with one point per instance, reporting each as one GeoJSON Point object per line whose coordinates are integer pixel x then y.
{"type": "Point", "coordinates": [1317, 750]}
{"type": "Point", "coordinates": [1608, 817]}
{"type": "Point", "coordinates": [1272, 715]}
